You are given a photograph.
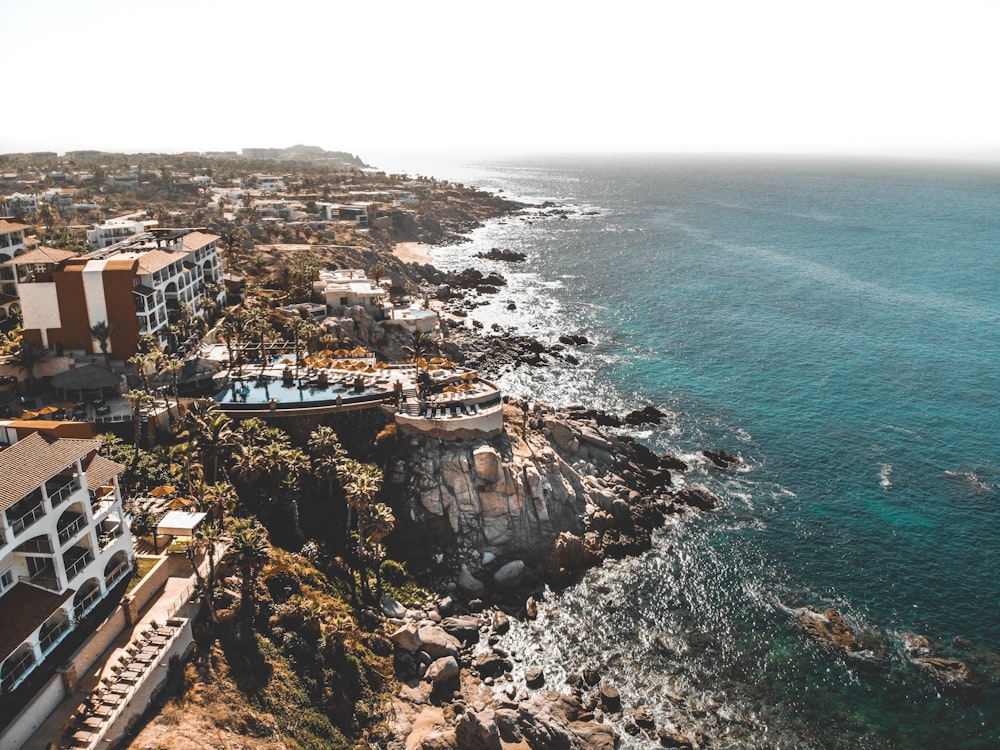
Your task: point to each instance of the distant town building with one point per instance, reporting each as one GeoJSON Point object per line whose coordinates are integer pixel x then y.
{"type": "Point", "coordinates": [64, 539]}
{"type": "Point", "coordinates": [132, 285]}
{"type": "Point", "coordinates": [350, 287]}
{"type": "Point", "coordinates": [116, 230]}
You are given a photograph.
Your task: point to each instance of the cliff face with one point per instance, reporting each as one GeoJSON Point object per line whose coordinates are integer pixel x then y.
{"type": "Point", "coordinates": [513, 495]}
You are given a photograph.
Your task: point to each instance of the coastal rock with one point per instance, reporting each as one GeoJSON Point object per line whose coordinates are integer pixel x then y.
{"type": "Point", "coordinates": [478, 731]}
{"type": "Point", "coordinates": [491, 664]}
{"type": "Point", "coordinates": [696, 497]}
{"type": "Point", "coordinates": [499, 622]}
{"type": "Point", "coordinates": [534, 677]}
{"type": "Point", "coordinates": [611, 699]}
{"type": "Point", "coordinates": [470, 584]}
{"type": "Point", "coordinates": [510, 575]}
{"type": "Point", "coordinates": [407, 637]}
{"type": "Point", "coordinates": [828, 628]}
{"type": "Point", "coordinates": [531, 608]}
{"type": "Point", "coordinates": [437, 643]}
{"type": "Point", "coordinates": [391, 608]}
{"type": "Point", "coordinates": [487, 464]}
{"type": "Point", "coordinates": [463, 627]}
{"type": "Point", "coordinates": [675, 740]}
{"type": "Point", "coordinates": [950, 672]}
{"type": "Point", "coordinates": [643, 718]}
{"type": "Point", "coordinates": [721, 459]}
{"type": "Point", "coordinates": [442, 670]}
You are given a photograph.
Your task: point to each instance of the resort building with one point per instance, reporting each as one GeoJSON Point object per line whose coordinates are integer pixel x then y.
{"type": "Point", "coordinates": [133, 286]}
{"type": "Point", "coordinates": [350, 287]}
{"type": "Point", "coordinates": [64, 540]}
{"type": "Point", "coordinates": [13, 238]}
{"type": "Point", "coordinates": [116, 230]}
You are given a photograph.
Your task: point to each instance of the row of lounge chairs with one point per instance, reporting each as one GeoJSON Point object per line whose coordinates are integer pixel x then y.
{"type": "Point", "coordinates": [113, 691]}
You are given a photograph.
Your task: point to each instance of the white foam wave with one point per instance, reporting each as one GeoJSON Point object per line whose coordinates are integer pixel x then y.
{"type": "Point", "coordinates": [883, 476]}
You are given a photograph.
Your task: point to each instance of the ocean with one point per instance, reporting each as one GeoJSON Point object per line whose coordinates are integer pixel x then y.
{"type": "Point", "coordinates": [836, 326]}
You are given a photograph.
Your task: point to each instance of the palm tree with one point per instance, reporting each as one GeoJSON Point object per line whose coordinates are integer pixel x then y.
{"type": "Point", "coordinates": [205, 542]}
{"type": "Point", "coordinates": [27, 356]}
{"type": "Point", "coordinates": [362, 487]}
{"type": "Point", "coordinates": [222, 498]}
{"type": "Point", "coordinates": [103, 331]}
{"type": "Point", "coordinates": [377, 522]}
{"type": "Point", "coordinates": [376, 272]}
{"type": "Point", "coordinates": [174, 366]}
{"type": "Point", "coordinates": [210, 430]}
{"type": "Point", "coordinates": [137, 399]}
{"type": "Point", "coordinates": [250, 549]}
{"type": "Point", "coordinates": [420, 345]}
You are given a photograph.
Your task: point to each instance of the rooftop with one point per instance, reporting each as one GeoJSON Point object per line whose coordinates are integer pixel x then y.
{"type": "Point", "coordinates": [25, 609]}
{"type": "Point", "coordinates": [33, 460]}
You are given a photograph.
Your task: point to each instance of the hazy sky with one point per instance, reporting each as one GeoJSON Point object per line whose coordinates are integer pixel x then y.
{"type": "Point", "coordinates": [375, 78]}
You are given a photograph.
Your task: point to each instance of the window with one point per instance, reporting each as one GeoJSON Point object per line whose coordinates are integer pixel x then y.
{"type": "Point", "coordinates": [6, 579]}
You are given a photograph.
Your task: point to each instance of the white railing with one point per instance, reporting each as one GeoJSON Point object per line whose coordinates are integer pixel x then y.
{"type": "Point", "coordinates": [87, 603]}
{"type": "Point", "coordinates": [79, 564]}
{"type": "Point", "coordinates": [18, 670]}
{"type": "Point", "coordinates": [28, 518]}
{"type": "Point", "coordinates": [52, 638]}
{"type": "Point", "coordinates": [110, 579]}
{"type": "Point", "coordinates": [70, 530]}
{"type": "Point", "coordinates": [63, 492]}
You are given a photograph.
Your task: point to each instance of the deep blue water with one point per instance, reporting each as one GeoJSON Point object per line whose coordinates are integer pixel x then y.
{"type": "Point", "coordinates": [836, 326]}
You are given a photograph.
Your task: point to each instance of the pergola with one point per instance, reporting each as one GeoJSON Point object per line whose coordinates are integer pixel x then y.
{"type": "Point", "coordinates": [180, 523]}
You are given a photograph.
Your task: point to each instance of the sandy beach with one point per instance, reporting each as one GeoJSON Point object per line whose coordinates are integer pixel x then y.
{"type": "Point", "coordinates": [413, 252]}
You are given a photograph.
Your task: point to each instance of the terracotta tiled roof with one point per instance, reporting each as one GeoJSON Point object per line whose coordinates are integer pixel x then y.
{"type": "Point", "coordinates": [154, 260]}
{"type": "Point", "coordinates": [10, 226]}
{"type": "Point", "coordinates": [42, 254]}
{"type": "Point", "coordinates": [25, 609]}
{"type": "Point", "coordinates": [31, 461]}
{"type": "Point", "coordinates": [197, 240]}
{"type": "Point", "coordinates": [101, 470]}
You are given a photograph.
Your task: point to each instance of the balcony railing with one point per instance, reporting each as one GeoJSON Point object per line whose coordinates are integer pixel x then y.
{"type": "Point", "coordinates": [45, 578]}
{"type": "Point", "coordinates": [14, 672]}
{"type": "Point", "coordinates": [70, 530]}
{"type": "Point", "coordinates": [58, 496]}
{"type": "Point", "coordinates": [101, 501]}
{"type": "Point", "coordinates": [53, 637]}
{"type": "Point", "coordinates": [87, 603]}
{"type": "Point", "coordinates": [73, 569]}
{"type": "Point", "coordinates": [106, 538]}
{"type": "Point", "coordinates": [20, 524]}
{"type": "Point", "coordinates": [117, 573]}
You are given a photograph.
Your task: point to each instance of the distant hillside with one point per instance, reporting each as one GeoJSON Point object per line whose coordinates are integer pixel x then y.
{"type": "Point", "coordinates": [302, 153]}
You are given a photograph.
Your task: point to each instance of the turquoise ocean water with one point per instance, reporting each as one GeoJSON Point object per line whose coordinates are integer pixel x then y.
{"type": "Point", "coordinates": [837, 326]}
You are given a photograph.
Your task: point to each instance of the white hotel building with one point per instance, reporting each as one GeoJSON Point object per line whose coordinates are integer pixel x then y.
{"type": "Point", "coordinates": [64, 541]}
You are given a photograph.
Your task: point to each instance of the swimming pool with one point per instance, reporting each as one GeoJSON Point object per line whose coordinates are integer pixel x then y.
{"type": "Point", "coordinates": [256, 394]}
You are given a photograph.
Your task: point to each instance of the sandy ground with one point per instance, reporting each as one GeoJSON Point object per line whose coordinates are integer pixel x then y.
{"type": "Point", "coordinates": [413, 252]}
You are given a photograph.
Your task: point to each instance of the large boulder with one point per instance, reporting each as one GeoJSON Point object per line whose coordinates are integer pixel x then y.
{"type": "Point", "coordinates": [391, 608]}
{"type": "Point", "coordinates": [437, 643]}
{"type": "Point", "coordinates": [487, 463]}
{"type": "Point", "coordinates": [463, 627]}
{"type": "Point", "coordinates": [478, 731]}
{"type": "Point", "coordinates": [469, 584]}
{"type": "Point", "coordinates": [407, 637]}
{"type": "Point", "coordinates": [443, 669]}
{"type": "Point", "coordinates": [510, 575]}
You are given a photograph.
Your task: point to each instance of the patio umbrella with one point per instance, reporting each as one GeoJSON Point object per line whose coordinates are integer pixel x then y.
{"type": "Point", "coordinates": [437, 361]}
{"type": "Point", "coordinates": [286, 361]}
{"type": "Point", "coordinates": [469, 376]}
{"type": "Point", "coordinates": [163, 490]}
{"type": "Point", "coordinates": [48, 410]}
{"type": "Point", "coordinates": [68, 405]}
{"type": "Point", "coordinates": [28, 414]}
{"type": "Point", "coordinates": [324, 353]}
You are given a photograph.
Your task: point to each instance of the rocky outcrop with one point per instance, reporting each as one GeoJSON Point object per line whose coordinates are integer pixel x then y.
{"type": "Point", "coordinates": [552, 489]}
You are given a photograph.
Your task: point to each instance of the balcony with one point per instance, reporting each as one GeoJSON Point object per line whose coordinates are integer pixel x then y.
{"type": "Point", "coordinates": [59, 489]}
{"type": "Point", "coordinates": [25, 520]}
{"type": "Point", "coordinates": [107, 537]}
{"type": "Point", "coordinates": [87, 603]}
{"type": "Point", "coordinates": [53, 636]}
{"type": "Point", "coordinates": [44, 578]}
{"type": "Point", "coordinates": [75, 565]}
{"type": "Point", "coordinates": [102, 500]}
{"type": "Point", "coordinates": [71, 528]}
{"type": "Point", "coordinates": [116, 574]}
